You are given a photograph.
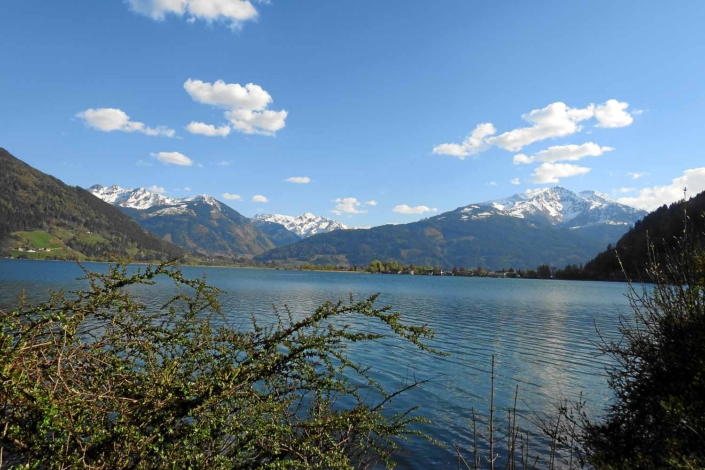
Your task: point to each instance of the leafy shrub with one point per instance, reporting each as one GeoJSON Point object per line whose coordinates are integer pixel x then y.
{"type": "Point", "coordinates": [97, 380]}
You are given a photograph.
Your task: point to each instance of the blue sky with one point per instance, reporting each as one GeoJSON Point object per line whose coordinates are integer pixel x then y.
{"type": "Point", "coordinates": [358, 97]}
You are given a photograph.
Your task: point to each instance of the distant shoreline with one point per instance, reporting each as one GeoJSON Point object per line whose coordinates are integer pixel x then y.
{"type": "Point", "coordinates": [304, 270]}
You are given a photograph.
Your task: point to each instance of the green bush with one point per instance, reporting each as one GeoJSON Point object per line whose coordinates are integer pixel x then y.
{"type": "Point", "coordinates": [658, 416]}
{"type": "Point", "coordinates": [97, 380]}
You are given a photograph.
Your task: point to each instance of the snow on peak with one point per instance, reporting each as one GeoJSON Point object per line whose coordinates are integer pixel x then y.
{"type": "Point", "coordinates": [205, 198]}
{"type": "Point", "coordinates": [559, 206]}
{"type": "Point", "coordinates": [143, 199]}
{"type": "Point", "coordinates": [140, 198]}
{"type": "Point", "coordinates": [304, 225]}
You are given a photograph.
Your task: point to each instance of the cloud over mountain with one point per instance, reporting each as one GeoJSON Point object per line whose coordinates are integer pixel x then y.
{"type": "Point", "coordinates": [475, 143]}
{"type": "Point", "coordinates": [347, 205]}
{"type": "Point", "coordinates": [551, 172]}
{"type": "Point", "coordinates": [246, 106]}
{"type": "Point", "coordinates": [173, 158]}
{"type": "Point", "coordinates": [555, 120]}
{"type": "Point", "coordinates": [113, 119]}
{"type": "Point", "coordinates": [559, 153]}
{"type": "Point", "coordinates": [654, 197]}
{"type": "Point", "coordinates": [408, 210]}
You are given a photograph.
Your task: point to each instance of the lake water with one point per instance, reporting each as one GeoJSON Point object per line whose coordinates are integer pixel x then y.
{"type": "Point", "coordinates": [543, 334]}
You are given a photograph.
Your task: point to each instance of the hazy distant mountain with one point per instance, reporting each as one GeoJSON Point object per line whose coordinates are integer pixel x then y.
{"type": "Point", "coordinates": [200, 223]}
{"type": "Point", "coordinates": [304, 225]}
{"type": "Point", "coordinates": [286, 229]}
{"type": "Point", "coordinates": [554, 226]}
{"type": "Point", "coordinates": [41, 217]}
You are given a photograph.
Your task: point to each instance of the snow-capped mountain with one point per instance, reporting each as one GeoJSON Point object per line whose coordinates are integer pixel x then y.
{"type": "Point", "coordinates": [559, 207]}
{"type": "Point", "coordinates": [304, 225]}
{"type": "Point", "coordinates": [143, 199]}
{"type": "Point", "coordinates": [198, 223]}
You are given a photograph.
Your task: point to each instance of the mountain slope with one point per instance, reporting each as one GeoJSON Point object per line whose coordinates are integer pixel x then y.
{"type": "Point", "coordinates": [37, 209]}
{"type": "Point", "coordinates": [492, 243]}
{"type": "Point", "coordinates": [663, 228]}
{"type": "Point", "coordinates": [279, 234]}
{"type": "Point", "coordinates": [547, 226]}
{"type": "Point", "coordinates": [199, 223]}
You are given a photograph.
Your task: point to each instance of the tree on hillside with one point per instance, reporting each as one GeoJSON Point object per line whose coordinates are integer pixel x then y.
{"type": "Point", "coordinates": [98, 380]}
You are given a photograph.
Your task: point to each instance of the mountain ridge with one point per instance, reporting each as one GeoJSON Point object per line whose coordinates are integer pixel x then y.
{"type": "Point", "coordinates": [199, 223]}
{"type": "Point", "coordinates": [40, 214]}
{"type": "Point", "coordinates": [553, 226]}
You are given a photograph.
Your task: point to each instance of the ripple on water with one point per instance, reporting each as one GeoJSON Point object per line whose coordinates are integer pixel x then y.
{"type": "Point", "coordinates": [543, 334]}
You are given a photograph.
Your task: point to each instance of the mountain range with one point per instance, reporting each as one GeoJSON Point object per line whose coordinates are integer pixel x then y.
{"type": "Point", "coordinates": [552, 225]}
{"type": "Point", "coordinates": [200, 223]}
{"type": "Point", "coordinates": [546, 226]}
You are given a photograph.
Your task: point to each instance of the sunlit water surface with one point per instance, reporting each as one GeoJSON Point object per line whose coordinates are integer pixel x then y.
{"type": "Point", "coordinates": [543, 334]}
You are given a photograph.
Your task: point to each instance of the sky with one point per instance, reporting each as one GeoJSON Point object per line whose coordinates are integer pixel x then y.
{"type": "Point", "coordinates": [370, 112]}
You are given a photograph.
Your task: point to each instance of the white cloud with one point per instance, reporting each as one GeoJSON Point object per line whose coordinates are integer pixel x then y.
{"type": "Point", "coordinates": [550, 172]}
{"type": "Point", "coordinates": [299, 179]}
{"type": "Point", "coordinates": [371, 203]}
{"type": "Point", "coordinates": [143, 163]}
{"type": "Point", "coordinates": [257, 122]}
{"type": "Point", "coordinates": [228, 95]}
{"type": "Point", "coordinates": [157, 189]}
{"type": "Point", "coordinates": [233, 12]}
{"type": "Point", "coordinates": [559, 153]}
{"type": "Point", "coordinates": [208, 129]}
{"type": "Point", "coordinates": [492, 183]}
{"type": "Point", "coordinates": [405, 209]}
{"type": "Point", "coordinates": [652, 198]}
{"type": "Point", "coordinates": [636, 176]}
{"type": "Point", "coordinates": [613, 114]}
{"type": "Point", "coordinates": [347, 205]}
{"type": "Point", "coordinates": [113, 119]}
{"type": "Point", "coordinates": [173, 158]}
{"type": "Point", "coordinates": [259, 198]}
{"type": "Point", "coordinates": [187, 189]}
{"type": "Point", "coordinates": [515, 181]}
{"type": "Point", "coordinates": [231, 197]}
{"type": "Point", "coordinates": [624, 190]}
{"type": "Point", "coordinates": [224, 163]}
{"type": "Point", "coordinates": [555, 120]}
{"type": "Point", "coordinates": [245, 105]}
{"type": "Point", "coordinates": [475, 143]}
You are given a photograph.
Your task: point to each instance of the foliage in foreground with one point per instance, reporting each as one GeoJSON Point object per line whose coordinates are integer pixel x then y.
{"type": "Point", "coordinates": [97, 380]}
{"type": "Point", "coordinates": [658, 418]}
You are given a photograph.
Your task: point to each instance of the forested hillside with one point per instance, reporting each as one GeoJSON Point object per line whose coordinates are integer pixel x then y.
{"type": "Point", "coordinates": [43, 217]}
{"type": "Point", "coordinates": [662, 228]}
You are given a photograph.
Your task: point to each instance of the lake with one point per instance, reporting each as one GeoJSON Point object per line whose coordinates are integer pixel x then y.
{"type": "Point", "coordinates": [543, 334]}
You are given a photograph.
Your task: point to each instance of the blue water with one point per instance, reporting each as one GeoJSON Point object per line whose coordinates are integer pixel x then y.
{"type": "Point", "coordinates": [543, 334]}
